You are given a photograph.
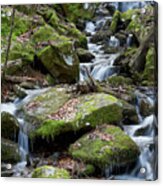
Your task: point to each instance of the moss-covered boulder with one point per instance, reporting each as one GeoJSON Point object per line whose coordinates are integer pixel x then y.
{"type": "Point", "coordinates": [9, 126]}
{"type": "Point", "coordinates": [106, 146]}
{"type": "Point", "coordinates": [55, 112]}
{"type": "Point", "coordinates": [9, 151]}
{"type": "Point", "coordinates": [50, 172]}
{"type": "Point", "coordinates": [148, 75]}
{"type": "Point", "coordinates": [61, 61]}
{"type": "Point", "coordinates": [115, 21]}
{"type": "Point", "coordinates": [84, 55]}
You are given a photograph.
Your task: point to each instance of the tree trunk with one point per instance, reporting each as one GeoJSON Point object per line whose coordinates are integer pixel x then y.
{"type": "Point", "coordinates": [9, 43]}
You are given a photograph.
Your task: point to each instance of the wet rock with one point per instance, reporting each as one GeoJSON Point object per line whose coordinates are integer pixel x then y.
{"type": "Point", "coordinates": [129, 114]}
{"type": "Point", "coordinates": [9, 151]}
{"type": "Point", "coordinates": [27, 85]}
{"type": "Point", "coordinates": [9, 126]}
{"type": "Point", "coordinates": [145, 107]}
{"type": "Point", "coordinates": [106, 146]}
{"type": "Point", "coordinates": [84, 55]}
{"type": "Point", "coordinates": [50, 172]}
{"type": "Point", "coordinates": [101, 36]}
{"type": "Point", "coordinates": [20, 92]}
{"type": "Point", "coordinates": [121, 35]}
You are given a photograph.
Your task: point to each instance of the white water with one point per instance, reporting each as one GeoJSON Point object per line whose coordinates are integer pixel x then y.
{"type": "Point", "coordinates": [145, 167]}
{"type": "Point", "coordinates": [101, 66]}
{"type": "Point", "coordinates": [23, 141]}
{"type": "Point", "coordinates": [129, 40]}
{"type": "Point", "coordinates": [114, 42]}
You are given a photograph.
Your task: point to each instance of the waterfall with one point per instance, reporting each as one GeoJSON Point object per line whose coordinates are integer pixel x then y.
{"type": "Point", "coordinates": [144, 136]}
{"type": "Point", "coordinates": [114, 42]}
{"type": "Point", "coordinates": [23, 141]}
{"type": "Point", "coordinates": [129, 40]}
{"type": "Point", "coordinates": [90, 27]}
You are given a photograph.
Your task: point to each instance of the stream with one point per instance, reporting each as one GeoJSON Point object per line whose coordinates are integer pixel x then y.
{"type": "Point", "coordinates": [100, 68]}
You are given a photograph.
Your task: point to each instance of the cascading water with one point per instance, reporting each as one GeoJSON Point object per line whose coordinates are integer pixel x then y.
{"type": "Point", "coordinates": [101, 67]}
{"type": "Point", "coordinates": [143, 134]}
{"type": "Point", "coordinates": [23, 141]}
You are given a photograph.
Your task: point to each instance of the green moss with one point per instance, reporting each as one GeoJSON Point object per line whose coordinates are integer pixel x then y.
{"type": "Point", "coordinates": [50, 172]}
{"type": "Point", "coordinates": [9, 126]}
{"type": "Point", "coordinates": [44, 33]}
{"type": "Point", "coordinates": [9, 151]}
{"type": "Point", "coordinates": [130, 52]}
{"type": "Point", "coordinates": [149, 70]}
{"type": "Point", "coordinates": [50, 129]}
{"type": "Point", "coordinates": [24, 51]}
{"type": "Point", "coordinates": [21, 23]}
{"type": "Point", "coordinates": [119, 80]}
{"type": "Point", "coordinates": [74, 11]}
{"type": "Point", "coordinates": [93, 110]}
{"type": "Point", "coordinates": [115, 21]}
{"type": "Point", "coordinates": [89, 170]}
{"type": "Point", "coordinates": [110, 146]}
{"type": "Point", "coordinates": [129, 14]}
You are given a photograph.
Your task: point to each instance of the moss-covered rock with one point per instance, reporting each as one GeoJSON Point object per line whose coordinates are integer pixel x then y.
{"type": "Point", "coordinates": [50, 172]}
{"type": "Point", "coordinates": [61, 61]}
{"type": "Point", "coordinates": [47, 103]}
{"type": "Point", "coordinates": [84, 55]}
{"type": "Point", "coordinates": [106, 146]}
{"type": "Point", "coordinates": [119, 81]}
{"type": "Point", "coordinates": [141, 23]}
{"type": "Point", "coordinates": [9, 126]}
{"type": "Point", "coordinates": [9, 151]}
{"type": "Point", "coordinates": [149, 71]}
{"type": "Point", "coordinates": [115, 21]}
{"type": "Point", "coordinates": [24, 51]}
{"type": "Point", "coordinates": [51, 115]}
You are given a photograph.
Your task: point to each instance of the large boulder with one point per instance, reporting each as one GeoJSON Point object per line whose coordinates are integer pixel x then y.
{"type": "Point", "coordinates": [9, 126]}
{"type": "Point", "coordinates": [106, 146]}
{"type": "Point", "coordinates": [54, 113]}
{"type": "Point", "coordinates": [61, 61]}
{"type": "Point", "coordinates": [50, 172]}
{"type": "Point", "coordinates": [9, 151]}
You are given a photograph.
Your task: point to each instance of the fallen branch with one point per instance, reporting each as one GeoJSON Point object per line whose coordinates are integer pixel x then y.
{"type": "Point", "coordinates": [19, 79]}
